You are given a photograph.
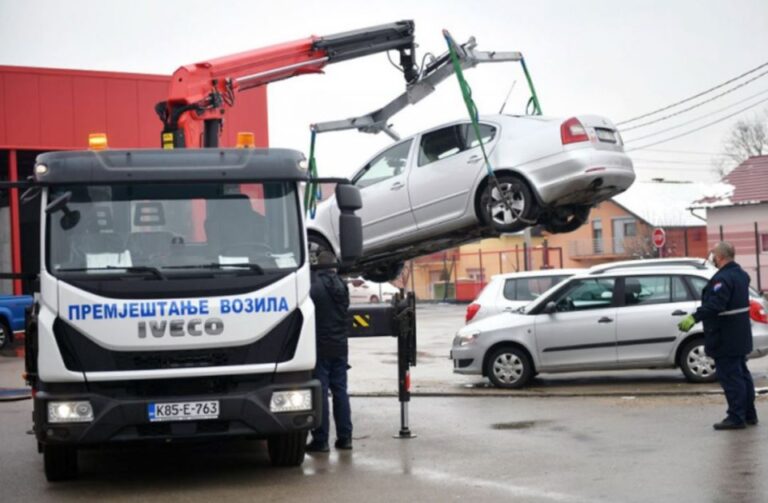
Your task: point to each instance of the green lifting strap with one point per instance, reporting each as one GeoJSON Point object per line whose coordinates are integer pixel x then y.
{"type": "Point", "coordinates": [312, 189]}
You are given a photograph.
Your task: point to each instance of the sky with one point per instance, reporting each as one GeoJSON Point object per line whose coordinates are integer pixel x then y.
{"type": "Point", "coordinates": [618, 59]}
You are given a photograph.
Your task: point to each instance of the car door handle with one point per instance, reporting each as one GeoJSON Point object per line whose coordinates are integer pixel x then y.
{"type": "Point", "coordinates": [679, 313]}
{"type": "Point", "coordinates": [474, 159]}
{"type": "Point", "coordinates": [605, 319]}
{"type": "Point", "coordinates": [397, 186]}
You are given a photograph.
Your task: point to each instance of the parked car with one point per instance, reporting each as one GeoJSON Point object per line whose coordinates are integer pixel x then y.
{"type": "Point", "coordinates": [362, 291]}
{"type": "Point", "coordinates": [12, 316]}
{"type": "Point", "coordinates": [618, 316]}
{"type": "Point", "coordinates": [432, 191]}
{"type": "Point", "coordinates": [511, 291]}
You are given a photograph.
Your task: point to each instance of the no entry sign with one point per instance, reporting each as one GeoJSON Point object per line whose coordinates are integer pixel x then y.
{"type": "Point", "coordinates": [659, 237]}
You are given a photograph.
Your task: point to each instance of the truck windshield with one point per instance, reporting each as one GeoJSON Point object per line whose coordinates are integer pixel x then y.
{"type": "Point", "coordinates": [175, 228]}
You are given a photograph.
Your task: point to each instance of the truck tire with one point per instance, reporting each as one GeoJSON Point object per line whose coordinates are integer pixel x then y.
{"type": "Point", "coordinates": [6, 336]}
{"type": "Point", "coordinates": [60, 462]}
{"type": "Point", "coordinates": [287, 449]}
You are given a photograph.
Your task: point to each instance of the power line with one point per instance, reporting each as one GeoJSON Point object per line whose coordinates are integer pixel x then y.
{"type": "Point", "coordinates": [698, 128]}
{"type": "Point", "coordinates": [697, 118]}
{"type": "Point", "coordinates": [753, 70]}
{"type": "Point", "coordinates": [697, 105]}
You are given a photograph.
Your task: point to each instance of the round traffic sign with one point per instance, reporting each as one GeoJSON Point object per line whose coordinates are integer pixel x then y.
{"type": "Point", "coordinates": [659, 237]}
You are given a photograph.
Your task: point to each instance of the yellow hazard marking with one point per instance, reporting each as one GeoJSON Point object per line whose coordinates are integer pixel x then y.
{"type": "Point", "coordinates": [361, 321]}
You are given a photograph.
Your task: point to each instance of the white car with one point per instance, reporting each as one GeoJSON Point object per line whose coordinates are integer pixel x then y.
{"type": "Point", "coordinates": [611, 317]}
{"type": "Point", "coordinates": [432, 190]}
{"type": "Point", "coordinates": [511, 291]}
{"type": "Point", "coordinates": [362, 291]}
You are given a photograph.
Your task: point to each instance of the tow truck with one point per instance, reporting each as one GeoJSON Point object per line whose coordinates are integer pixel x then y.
{"type": "Point", "coordinates": [174, 283]}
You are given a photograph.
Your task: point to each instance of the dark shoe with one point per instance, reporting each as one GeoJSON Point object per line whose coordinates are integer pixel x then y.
{"type": "Point", "coordinates": [317, 447]}
{"type": "Point", "coordinates": [727, 424]}
{"type": "Point", "coordinates": [752, 422]}
{"type": "Point", "coordinates": [344, 444]}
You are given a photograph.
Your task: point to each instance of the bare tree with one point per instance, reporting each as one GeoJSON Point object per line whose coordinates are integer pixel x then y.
{"type": "Point", "coordinates": [749, 137]}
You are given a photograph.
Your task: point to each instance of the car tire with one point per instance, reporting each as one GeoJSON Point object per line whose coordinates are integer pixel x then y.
{"type": "Point", "coordinates": [374, 299]}
{"type": "Point", "coordinates": [287, 449]}
{"type": "Point", "coordinates": [317, 244]}
{"type": "Point", "coordinates": [558, 224]}
{"type": "Point", "coordinates": [509, 367]}
{"type": "Point", "coordinates": [60, 462]}
{"type": "Point", "coordinates": [493, 209]}
{"type": "Point", "coordinates": [695, 364]}
{"type": "Point", "coordinates": [6, 336]}
{"type": "Point", "coordinates": [384, 273]}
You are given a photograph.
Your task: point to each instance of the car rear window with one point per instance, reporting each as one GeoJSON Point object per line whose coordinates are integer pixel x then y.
{"type": "Point", "coordinates": [529, 288]}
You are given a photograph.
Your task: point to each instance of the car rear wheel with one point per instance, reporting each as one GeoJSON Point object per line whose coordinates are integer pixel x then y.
{"type": "Point", "coordinates": [374, 299]}
{"type": "Point", "coordinates": [509, 209]}
{"type": "Point", "coordinates": [567, 221]}
{"type": "Point", "coordinates": [695, 364]}
{"type": "Point", "coordinates": [60, 462]}
{"type": "Point", "coordinates": [384, 273]}
{"type": "Point", "coordinates": [317, 244]}
{"type": "Point", "coordinates": [287, 449]}
{"type": "Point", "coordinates": [509, 367]}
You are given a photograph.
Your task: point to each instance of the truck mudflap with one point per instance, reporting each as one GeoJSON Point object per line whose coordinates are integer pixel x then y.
{"type": "Point", "coordinates": [125, 417]}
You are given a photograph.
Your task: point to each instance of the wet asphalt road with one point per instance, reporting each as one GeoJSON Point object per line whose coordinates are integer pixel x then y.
{"type": "Point", "coordinates": [521, 449]}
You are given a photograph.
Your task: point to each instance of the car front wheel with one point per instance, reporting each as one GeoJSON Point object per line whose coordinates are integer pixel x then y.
{"type": "Point", "coordinates": [695, 364]}
{"type": "Point", "coordinates": [507, 206]}
{"type": "Point", "coordinates": [509, 367]}
{"type": "Point", "coordinates": [6, 336]}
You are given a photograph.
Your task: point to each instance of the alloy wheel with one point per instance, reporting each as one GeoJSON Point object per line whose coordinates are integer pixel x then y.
{"type": "Point", "coordinates": [508, 368]}
{"type": "Point", "coordinates": [501, 214]}
{"type": "Point", "coordinates": [699, 363]}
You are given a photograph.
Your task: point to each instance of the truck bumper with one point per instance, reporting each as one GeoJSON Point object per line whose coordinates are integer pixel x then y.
{"type": "Point", "coordinates": [118, 417]}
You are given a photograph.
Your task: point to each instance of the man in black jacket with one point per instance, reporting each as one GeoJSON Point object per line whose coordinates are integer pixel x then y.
{"type": "Point", "coordinates": [331, 298]}
{"type": "Point", "coordinates": [724, 311]}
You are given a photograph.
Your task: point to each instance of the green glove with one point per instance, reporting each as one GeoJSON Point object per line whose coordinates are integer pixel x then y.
{"type": "Point", "coordinates": [686, 323]}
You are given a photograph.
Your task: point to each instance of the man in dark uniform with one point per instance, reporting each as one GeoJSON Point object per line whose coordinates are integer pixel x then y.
{"type": "Point", "coordinates": [728, 335]}
{"type": "Point", "coordinates": [331, 298]}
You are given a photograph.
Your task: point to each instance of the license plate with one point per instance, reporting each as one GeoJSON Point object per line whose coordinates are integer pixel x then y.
{"type": "Point", "coordinates": [183, 411]}
{"type": "Point", "coordinates": [606, 135]}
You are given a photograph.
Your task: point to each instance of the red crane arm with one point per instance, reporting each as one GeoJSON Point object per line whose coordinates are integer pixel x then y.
{"type": "Point", "coordinates": [200, 93]}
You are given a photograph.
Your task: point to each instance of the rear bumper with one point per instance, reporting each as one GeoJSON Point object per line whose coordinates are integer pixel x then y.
{"type": "Point", "coordinates": [582, 176]}
{"type": "Point", "coordinates": [243, 412]}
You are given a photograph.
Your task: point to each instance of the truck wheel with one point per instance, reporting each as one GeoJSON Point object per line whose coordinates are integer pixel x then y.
{"type": "Point", "coordinates": [60, 462]}
{"type": "Point", "coordinates": [287, 449]}
{"type": "Point", "coordinates": [695, 364]}
{"type": "Point", "coordinates": [6, 336]}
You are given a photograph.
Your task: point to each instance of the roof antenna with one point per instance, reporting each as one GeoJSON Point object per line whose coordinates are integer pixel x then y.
{"type": "Point", "coordinates": [512, 87]}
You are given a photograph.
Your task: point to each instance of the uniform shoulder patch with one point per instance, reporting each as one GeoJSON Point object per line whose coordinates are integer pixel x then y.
{"type": "Point", "coordinates": [717, 286]}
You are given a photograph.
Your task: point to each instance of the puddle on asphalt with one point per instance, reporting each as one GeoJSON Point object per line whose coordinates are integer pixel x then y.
{"type": "Point", "coordinates": [517, 425]}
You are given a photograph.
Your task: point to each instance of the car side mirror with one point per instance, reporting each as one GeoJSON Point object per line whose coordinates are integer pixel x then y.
{"type": "Point", "coordinates": [350, 226]}
{"type": "Point", "coordinates": [550, 308]}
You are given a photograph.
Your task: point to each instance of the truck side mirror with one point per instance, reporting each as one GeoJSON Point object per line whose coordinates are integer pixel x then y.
{"type": "Point", "coordinates": [550, 308]}
{"type": "Point", "coordinates": [350, 226]}
{"type": "Point", "coordinates": [70, 218]}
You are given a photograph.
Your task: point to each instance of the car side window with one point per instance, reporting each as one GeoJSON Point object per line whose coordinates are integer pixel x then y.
{"type": "Point", "coordinates": [439, 144]}
{"type": "Point", "coordinates": [529, 288]}
{"type": "Point", "coordinates": [697, 284]}
{"type": "Point", "coordinates": [509, 289]}
{"type": "Point", "coordinates": [388, 164]}
{"type": "Point", "coordinates": [585, 294]}
{"type": "Point", "coordinates": [487, 134]}
{"type": "Point", "coordinates": [644, 290]}
{"type": "Point", "coordinates": [680, 292]}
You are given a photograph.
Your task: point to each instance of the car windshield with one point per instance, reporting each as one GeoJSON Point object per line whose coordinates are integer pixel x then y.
{"type": "Point", "coordinates": [174, 228]}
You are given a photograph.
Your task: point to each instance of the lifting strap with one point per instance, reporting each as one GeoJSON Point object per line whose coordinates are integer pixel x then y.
{"type": "Point", "coordinates": [312, 189]}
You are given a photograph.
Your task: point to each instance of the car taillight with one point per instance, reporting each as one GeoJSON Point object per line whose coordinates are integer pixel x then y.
{"type": "Point", "coordinates": [472, 310]}
{"type": "Point", "coordinates": [757, 312]}
{"type": "Point", "coordinates": [572, 131]}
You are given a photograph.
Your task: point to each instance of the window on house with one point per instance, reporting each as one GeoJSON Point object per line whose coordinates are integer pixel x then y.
{"type": "Point", "coordinates": [597, 235]}
{"type": "Point", "coordinates": [476, 274]}
{"type": "Point", "coordinates": [764, 242]}
{"type": "Point", "coordinates": [630, 229]}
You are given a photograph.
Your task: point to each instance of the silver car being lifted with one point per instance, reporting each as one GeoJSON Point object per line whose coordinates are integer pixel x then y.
{"type": "Point", "coordinates": [432, 191]}
{"type": "Point", "coordinates": [620, 316]}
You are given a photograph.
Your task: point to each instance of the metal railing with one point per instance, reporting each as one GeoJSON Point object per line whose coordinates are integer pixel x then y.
{"type": "Point", "coordinates": [628, 246]}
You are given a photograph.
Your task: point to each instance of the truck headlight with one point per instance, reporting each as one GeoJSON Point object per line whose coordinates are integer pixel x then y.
{"type": "Point", "coordinates": [291, 401]}
{"type": "Point", "coordinates": [465, 339]}
{"type": "Point", "coordinates": [70, 412]}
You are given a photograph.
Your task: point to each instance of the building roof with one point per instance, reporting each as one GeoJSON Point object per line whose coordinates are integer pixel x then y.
{"type": "Point", "coordinates": [663, 203]}
{"type": "Point", "coordinates": [748, 184]}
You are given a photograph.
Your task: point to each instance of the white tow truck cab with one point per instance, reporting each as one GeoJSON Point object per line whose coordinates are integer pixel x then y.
{"type": "Point", "coordinates": [174, 300]}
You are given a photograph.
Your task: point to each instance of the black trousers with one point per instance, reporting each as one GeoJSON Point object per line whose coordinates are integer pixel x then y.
{"type": "Point", "coordinates": [734, 377]}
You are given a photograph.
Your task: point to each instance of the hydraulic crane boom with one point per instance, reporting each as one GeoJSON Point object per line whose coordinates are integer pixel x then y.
{"type": "Point", "coordinates": [200, 93]}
